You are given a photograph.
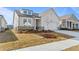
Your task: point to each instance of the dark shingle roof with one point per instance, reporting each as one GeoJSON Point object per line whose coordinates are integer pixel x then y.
{"type": "Point", "coordinates": [25, 15]}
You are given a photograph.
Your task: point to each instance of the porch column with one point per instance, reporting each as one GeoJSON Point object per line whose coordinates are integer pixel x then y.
{"type": "Point", "coordinates": [67, 22]}
{"type": "Point", "coordinates": [72, 25]}
{"type": "Point", "coordinates": [34, 24]}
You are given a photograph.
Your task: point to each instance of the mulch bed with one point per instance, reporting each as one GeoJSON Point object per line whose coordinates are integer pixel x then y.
{"type": "Point", "coordinates": [48, 35]}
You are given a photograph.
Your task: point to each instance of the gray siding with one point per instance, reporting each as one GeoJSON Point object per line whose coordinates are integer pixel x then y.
{"type": "Point", "coordinates": [49, 20]}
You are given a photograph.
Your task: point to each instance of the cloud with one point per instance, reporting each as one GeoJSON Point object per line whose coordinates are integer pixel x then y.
{"type": "Point", "coordinates": [8, 14]}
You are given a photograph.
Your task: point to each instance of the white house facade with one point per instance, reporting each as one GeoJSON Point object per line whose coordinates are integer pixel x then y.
{"type": "Point", "coordinates": [3, 23]}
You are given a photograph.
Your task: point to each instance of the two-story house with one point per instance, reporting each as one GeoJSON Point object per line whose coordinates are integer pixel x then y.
{"type": "Point", "coordinates": [26, 19]}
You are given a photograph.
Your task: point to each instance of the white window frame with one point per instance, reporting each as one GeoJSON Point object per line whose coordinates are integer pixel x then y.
{"type": "Point", "coordinates": [25, 20]}
{"type": "Point", "coordinates": [28, 12]}
{"type": "Point", "coordinates": [30, 20]}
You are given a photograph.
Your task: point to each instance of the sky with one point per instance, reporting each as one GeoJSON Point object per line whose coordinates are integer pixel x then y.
{"type": "Point", "coordinates": [7, 12]}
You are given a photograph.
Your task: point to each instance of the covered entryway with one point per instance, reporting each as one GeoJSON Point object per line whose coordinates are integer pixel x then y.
{"type": "Point", "coordinates": [37, 23]}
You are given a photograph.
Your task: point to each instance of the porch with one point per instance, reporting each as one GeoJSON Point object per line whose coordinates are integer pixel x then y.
{"type": "Point", "coordinates": [70, 25]}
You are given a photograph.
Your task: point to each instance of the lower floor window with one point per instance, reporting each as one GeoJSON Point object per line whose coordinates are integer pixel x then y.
{"type": "Point", "coordinates": [29, 20]}
{"type": "Point", "coordinates": [25, 20]}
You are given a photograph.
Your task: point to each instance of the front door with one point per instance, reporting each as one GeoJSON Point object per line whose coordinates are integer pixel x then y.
{"type": "Point", "coordinates": [37, 23]}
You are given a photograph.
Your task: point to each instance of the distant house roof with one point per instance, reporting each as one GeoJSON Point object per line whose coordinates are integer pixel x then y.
{"type": "Point", "coordinates": [69, 16]}
{"type": "Point", "coordinates": [25, 15]}
{"type": "Point", "coordinates": [4, 18]}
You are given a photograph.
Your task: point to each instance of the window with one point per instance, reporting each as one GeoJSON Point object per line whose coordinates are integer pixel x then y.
{"type": "Point", "coordinates": [29, 20]}
{"type": "Point", "coordinates": [25, 20]}
{"type": "Point", "coordinates": [25, 12]}
{"type": "Point", "coordinates": [29, 12]}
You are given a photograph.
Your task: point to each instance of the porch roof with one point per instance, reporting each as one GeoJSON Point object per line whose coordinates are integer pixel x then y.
{"type": "Point", "coordinates": [69, 16]}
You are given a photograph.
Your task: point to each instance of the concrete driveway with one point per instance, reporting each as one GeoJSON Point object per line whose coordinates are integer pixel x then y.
{"type": "Point", "coordinates": [56, 46]}
{"type": "Point", "coordinates": [72, 33]}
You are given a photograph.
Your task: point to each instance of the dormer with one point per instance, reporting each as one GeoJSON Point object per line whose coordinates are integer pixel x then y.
{"type": "Point", "coordinates": [26, 11]}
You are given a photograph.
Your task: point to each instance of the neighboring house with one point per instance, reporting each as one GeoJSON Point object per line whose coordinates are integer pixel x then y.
{"type": "Point", "coordinates": [47, 20]}
{"type": "Point", "coordinates": [69, 22]}
{"type": "Point", "coordinates": [50, 20]}
{"type": "Point", "coordinates": [3, 23]}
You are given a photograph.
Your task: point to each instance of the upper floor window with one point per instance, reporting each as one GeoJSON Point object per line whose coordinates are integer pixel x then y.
{"type": "Point", "coordinates": [29, 12]}
{"type": "Point", "coordinates": [25, 12]}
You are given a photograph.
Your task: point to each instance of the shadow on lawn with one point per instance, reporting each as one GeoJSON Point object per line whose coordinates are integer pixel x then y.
{"type": "Point", "coordinates": [7, 36]}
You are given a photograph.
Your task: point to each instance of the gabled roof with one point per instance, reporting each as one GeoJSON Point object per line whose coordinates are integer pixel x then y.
{"type": "Point", "coordinates": [69, 16]}
{"type": "Point", "coordinates": [52, 11]}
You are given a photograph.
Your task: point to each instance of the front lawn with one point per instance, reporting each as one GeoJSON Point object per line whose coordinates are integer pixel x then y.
{"type": "Point", "coordinates": [32, 39]}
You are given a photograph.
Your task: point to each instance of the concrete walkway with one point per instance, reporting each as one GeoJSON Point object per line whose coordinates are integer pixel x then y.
{"type": "Point", "coordinates": [56, 46]}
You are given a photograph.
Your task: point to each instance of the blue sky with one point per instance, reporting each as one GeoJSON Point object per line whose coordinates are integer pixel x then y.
{"type": "Point", "coordinates": [7, 12]}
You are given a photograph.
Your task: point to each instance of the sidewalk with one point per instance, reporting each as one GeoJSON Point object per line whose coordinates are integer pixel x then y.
{"type": "Point", "coordinates": [56, 46]}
